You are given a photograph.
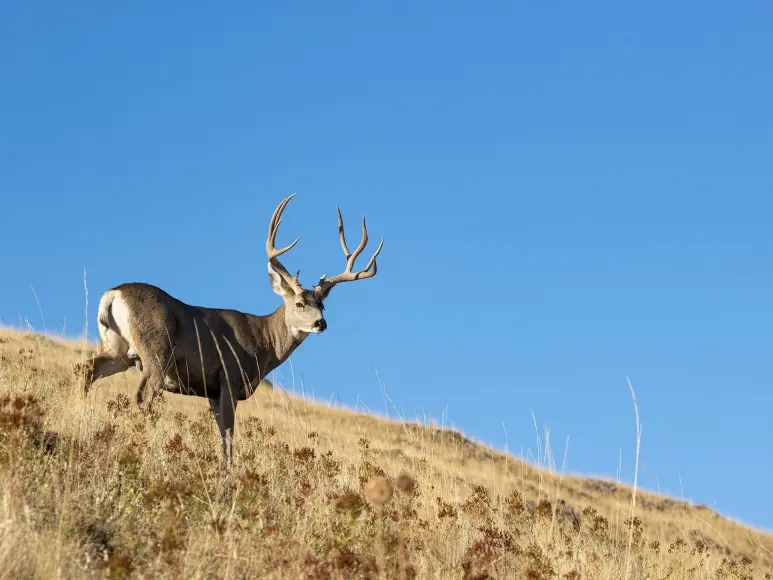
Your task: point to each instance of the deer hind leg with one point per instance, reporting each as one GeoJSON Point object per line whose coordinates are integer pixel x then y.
{"type": "Point", "coordinates": [141, 393]}
{"type": "Point", "coordinates": [157, 362]}
{"type": "Point", "coordinates": [115, 356]}
{"type": "Point", "coordinates": [105, 365]}
{"type": "Point", "coordinates": [151, 384]}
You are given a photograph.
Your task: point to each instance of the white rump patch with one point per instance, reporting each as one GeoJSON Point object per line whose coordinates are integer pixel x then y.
{"type": "Point", "coordinates": [117, 335]}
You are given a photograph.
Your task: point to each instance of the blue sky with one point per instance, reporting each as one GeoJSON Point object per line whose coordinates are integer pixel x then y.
{"type": "Point", "coordinates": [570, 193]}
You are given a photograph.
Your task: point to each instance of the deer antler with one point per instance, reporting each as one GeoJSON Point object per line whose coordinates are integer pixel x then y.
{"type": "Point", "coordinates": [324, 285]}
{"type": "Point", "coordinates": [272, 251]}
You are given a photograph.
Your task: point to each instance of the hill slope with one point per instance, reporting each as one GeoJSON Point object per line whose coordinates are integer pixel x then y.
{"type": "Point", "coordinates": [91, 488]}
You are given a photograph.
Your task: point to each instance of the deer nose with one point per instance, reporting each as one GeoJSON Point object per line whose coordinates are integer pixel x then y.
{"type": "Point", "coordinates": [320, 324]}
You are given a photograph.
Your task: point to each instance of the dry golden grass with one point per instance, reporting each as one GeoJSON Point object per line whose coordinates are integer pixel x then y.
{"type": "Point", "coordinates": [92, 488]}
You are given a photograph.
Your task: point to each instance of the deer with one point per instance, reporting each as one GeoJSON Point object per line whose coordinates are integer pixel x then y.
{"type": "Point", "coordinates": [219, 354]}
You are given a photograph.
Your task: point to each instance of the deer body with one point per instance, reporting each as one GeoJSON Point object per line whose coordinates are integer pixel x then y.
{"type": "Point", "coordinates": [140, 322]}
{"type": "Point", "coordinates": [220, 354]}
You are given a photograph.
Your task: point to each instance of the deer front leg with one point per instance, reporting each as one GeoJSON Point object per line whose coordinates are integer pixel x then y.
{"type": "Point", "coordinates": [214, 405]}
{"type": "Point", "coordinates": [224, 408]}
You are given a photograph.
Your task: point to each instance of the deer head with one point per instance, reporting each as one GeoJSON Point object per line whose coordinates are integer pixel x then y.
{"type": "Point", "coordinates": [304, 308]}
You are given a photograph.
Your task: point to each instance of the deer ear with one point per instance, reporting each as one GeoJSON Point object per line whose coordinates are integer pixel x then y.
{"type": "Point", "coordinates": [278, 283]}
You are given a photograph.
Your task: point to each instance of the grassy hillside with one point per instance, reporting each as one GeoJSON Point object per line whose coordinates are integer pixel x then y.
{"type": "Point", "coordinates": [92, 488]}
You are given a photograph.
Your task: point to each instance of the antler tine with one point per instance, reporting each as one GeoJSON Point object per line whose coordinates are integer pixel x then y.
{"type": "Point", "coordinates": [348, 275]}
{"type": "Point", "coordinates": [341, 233]}
{"type": "Point", "coordinates": [360, 248]}
{"type": "Point", "coordinates": [351, 257]}
{"type": "Point", "coordinates": [372, 261]}
{"type": "Point", "coordinates": [274, 253]}
{"type": "Point", "coordinates": [273, 229]}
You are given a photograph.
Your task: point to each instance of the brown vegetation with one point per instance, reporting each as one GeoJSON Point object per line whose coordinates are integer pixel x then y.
{"type": "Point", "coordinates": [92, 488]}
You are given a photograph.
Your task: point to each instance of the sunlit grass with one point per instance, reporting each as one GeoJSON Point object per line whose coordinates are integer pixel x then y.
{"type": "Point", "coordinates": [92, 488]}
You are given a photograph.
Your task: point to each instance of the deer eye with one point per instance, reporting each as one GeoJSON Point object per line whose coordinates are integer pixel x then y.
{"type": "Point", "coordinates": [300, 305]}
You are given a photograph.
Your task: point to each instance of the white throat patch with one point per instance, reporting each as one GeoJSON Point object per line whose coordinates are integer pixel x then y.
{"type": "Point", "coordinates": [298, 333]}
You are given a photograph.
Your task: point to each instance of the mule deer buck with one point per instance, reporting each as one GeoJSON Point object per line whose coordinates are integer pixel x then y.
{"type": "Point", "coordinates": [219, 354]}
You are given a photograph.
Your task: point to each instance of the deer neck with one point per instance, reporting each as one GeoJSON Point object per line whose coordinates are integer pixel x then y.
{"type": "Point", "coordinates": [278, 339]}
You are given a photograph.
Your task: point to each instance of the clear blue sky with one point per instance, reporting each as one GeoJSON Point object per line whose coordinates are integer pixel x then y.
{"type": "Point", "coordinates": [570, 193]}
